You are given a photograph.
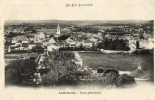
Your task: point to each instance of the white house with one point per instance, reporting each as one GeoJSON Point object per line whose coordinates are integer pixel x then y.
{"type": "Point", "coordinates": [70, 42]}
{"type": "Point", "coordinates": [22, 39]}
{"type": "Point", "coordinates": [87, 43]}
{"type": "Point", "coordinates": [39, 37]}
{"type": "Point", "coordinates": [145, 44]}
{"type": "Point", "coordinates": [93, 39]}
{"type": "Point", "coordinates": [31, 46]}
{"type": "Point", "coordinates": [132, 45]}
{"type": "Point", "coordinates": [52, 40]}
{"type": "Point", "coordinates": [40, 59]}
{"type": "Point", "coordinates": [17, 44]}
{"type": "Point", "coordinates": [9, 49]}
{"type": "Point", "coordinates": [52, 47]}
{"type": "Point", "coordinates": [77, 59]}
{"type": "Point", "coordinates": [23, 48]}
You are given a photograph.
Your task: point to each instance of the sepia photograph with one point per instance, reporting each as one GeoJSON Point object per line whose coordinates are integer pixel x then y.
{"type": "Point", "coordinates": [77, 49]}
{"type": "Point", "coordinates": [79, 53]}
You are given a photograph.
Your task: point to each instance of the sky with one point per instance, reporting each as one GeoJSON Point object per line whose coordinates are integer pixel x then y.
{"type": "Point", "coordinates": [55, 9]}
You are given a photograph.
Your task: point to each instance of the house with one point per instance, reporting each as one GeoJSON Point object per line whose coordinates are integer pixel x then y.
{"type": "Point", "coordinates": [132, 45]}
{"type": "Point", "coordinates": [61, 44]}
{"type": "Point", "coordinates": [39, 44]}
{"type": "Point", "coordinates": [87, 44]}
{"type": "Point", "coordinates": [93, 39]}
{"type": "Point", "coordinates": [17, 44]}
{"type": "Point", "coordinates": [22, 48]}
{"type": "Point", "coordinates": [21, 39]}
{"type": "Point", "coordinates": [9, 49]}
{"type": "Point", "coordinates": [99, 34]}
{"type": "Point", "coordinates": [151, 45]}
{"type": "Point", "coordinates": [107, 36]}
{"type": "Point", "coordinates": [70, 42]}
{"type": "Point", "coordinates": [31, 39]}
{"type": "Point", "coordinates": [77, 59]}
{"type": "Point", "coordinates": [145, 44]}
{"type": "Point", "coordinates": [39, 37]}
{"type": "Point", "coordinates": [31, 46]}
{"type": "Point", "coordinates": [52, 47]}
{"type": "Point", "coordinates": [40, 59]}
{"type": "Point", "coordinates": [146, 35]}
{"type": "Point", "coordinates": [52, 40]}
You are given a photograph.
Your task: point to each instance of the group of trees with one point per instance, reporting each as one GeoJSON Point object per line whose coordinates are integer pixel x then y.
{"type": "Point", "coordinates": [61, 68]}
{"type": "Point", "coordinates": [60, 65]}
{"type": "Point", "coordinates": [111, 77]}
{"type": "Point", "coordinates": [38, 49]}
{"type": "Point", "coordinates": [57, 65]}
{"type": "Point", "coordinates": [113, 44]}
{"type": "Point", "coordinates": [86, 29]}
{"type": "Point", "coordinates": [13, 34]}
{"type": "Point", "coordinates": [80, 48]}
{"type": "Point", "coordinates": [15, 70]}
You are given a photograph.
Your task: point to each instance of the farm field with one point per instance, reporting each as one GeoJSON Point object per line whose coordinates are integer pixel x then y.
{"type": "Point", "coordinates": [123, 62]}
{"type": "Point", "coordinates": [11, 57]}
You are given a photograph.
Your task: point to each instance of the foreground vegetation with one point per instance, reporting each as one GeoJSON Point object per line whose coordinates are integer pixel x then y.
{"type": "Point", "coordinates": [61, 69]}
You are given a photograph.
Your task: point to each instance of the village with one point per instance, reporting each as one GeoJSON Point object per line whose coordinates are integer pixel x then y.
{"type": "Point", "coordinates": [37, 43]}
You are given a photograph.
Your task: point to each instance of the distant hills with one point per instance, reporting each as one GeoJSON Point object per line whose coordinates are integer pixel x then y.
{"type": "Point", "coordinates": [77, 22]}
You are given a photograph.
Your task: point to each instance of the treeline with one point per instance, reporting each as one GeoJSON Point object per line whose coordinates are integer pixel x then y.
{"type": "Point", "coordinates": [86, 29]}
{"type": "Point", "coordinates": [113, 44]}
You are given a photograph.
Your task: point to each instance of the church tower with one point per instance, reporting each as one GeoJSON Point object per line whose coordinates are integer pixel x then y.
{"type": "Point", "coordinates": [58, 30]}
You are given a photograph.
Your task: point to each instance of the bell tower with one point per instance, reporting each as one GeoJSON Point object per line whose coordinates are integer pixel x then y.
{"type": "Point", "coordinates": [58, 30]}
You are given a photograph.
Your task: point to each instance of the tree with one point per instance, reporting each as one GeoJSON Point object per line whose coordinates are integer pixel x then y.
{"type": "Point", "coordinates": [63, 37]}
{"type": "Point", "coordinates": [15, 69]}
{"type": "Point", "coordinates": [61, 64]}
{"type": "Point", "coordinates": [110, 77]}
{"type": "Point", "coordinates": [38, 49]}
{"type": "Point", "coordinates": [125, 79]}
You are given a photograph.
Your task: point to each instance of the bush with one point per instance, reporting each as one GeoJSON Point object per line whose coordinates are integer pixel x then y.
{"type": "Point", "coordinates": [110, 77]}
{"type": "Point", "coordinates": [100, 70]}
{"type": "Point", "coordinates": [110, 70]}
{"type": "Point", "coordinates": [49, 79]}
{"type": "Point", "coordinates": [125, 79]}
{"type": "Point", "coordinates": [38, 49]}
{"type": "Point", "coordinates": [143, 52]}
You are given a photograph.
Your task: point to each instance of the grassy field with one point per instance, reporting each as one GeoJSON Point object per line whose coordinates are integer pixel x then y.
{"type": "Point", "coordinates": [123, 62]}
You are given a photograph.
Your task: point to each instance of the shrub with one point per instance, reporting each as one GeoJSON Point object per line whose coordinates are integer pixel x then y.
{"type": "Point", "coordinates": [110, 77]}
{"type": "Point", "coordinates": [110, 70]}
{"type": "Point", "coordinates": [49, 79]}
{"type": "Point", "coordinates": [38, 49]}
{"type": "Point", "coordinates": [125, 79]}
{"type": "Point", "coordinates": [100, 70]}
